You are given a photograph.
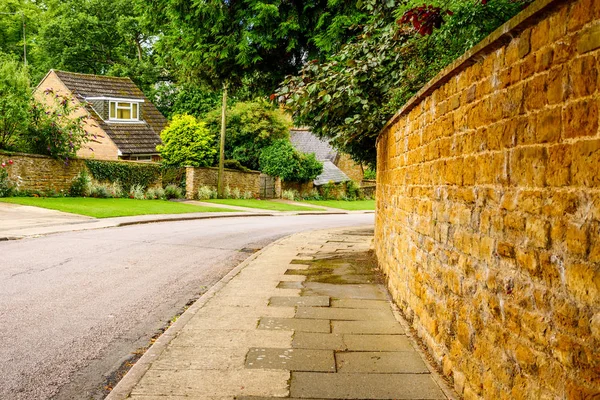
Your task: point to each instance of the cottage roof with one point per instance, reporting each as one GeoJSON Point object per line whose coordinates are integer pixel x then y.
{"type": "Point", "coordinates": [130, 138]}
{"type": "Point", "coordinates": [305, 141]}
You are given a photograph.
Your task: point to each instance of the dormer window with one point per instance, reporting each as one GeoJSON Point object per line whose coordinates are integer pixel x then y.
{"type": "Point", "coordinates": [115, 109]}
{"type": "Point", "coordinates": [123, 111]}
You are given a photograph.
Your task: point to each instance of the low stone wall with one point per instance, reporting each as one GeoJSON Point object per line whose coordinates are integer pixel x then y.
{"type": "Point", "coordinates": [41, 173]}
{"type": "Point", "coordinates": [488, 209]}
{"type": "Point", "coordinates": [207, 176]}
{"type": "Point", "coordinates": [32, 172]}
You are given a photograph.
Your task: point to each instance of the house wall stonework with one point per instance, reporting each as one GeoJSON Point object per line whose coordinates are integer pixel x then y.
{"type": "Point", "coordinates": [488, 209]}
{"type": "Point", "coordinates": [244, 181]}
{"type": "Point", "coordinates": [350, 168]}
{"type": "Point", "coordinates": [100, 147]}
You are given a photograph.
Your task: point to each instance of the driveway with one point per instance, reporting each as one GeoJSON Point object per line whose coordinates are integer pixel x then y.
{"type": "Point", "coordinates": [14, 217]}
{"type": "Point", "coordinates": [75, 306]}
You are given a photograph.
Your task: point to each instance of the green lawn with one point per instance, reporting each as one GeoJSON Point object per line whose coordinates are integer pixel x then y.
{"type": "Point", "coordinates": [105, 208]}
{"type": "Point", "coordinates": [262, 204]}
{"type": "Point", "coordinates": [344, 205]}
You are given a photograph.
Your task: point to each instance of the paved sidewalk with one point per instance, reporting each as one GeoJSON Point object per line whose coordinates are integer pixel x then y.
{"type": "Point", "coordinates": [305, 318]}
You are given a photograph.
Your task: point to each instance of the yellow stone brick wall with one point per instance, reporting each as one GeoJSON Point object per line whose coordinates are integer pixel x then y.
{"type": "Point", "coordinates": [207, 176]}
{"type": "Point", "coordinates": [488, 209]}
{"type": "Point", "coordinates": [100, 146]}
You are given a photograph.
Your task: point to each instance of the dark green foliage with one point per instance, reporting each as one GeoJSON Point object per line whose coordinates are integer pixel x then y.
{"type": "Point", "coordinates": [173, 176]}
{"type": "Point", "coordinates": [252, 43]}
{"type": "Point", "coordinates": [250, 128]}
{"type": "Point", "coordinates": [173, 192]}
{"type": "Point", "coordinates": [370, 174]}
{"type": "Point", "coordinates": [283, 160]}
{"type": "Point", "coordinates": [235, 164]}
{"type": "Point", "coordinates": [15, 102]}
{"type": "Point", "coordinates": [100, 37]}
{"type": "Point", "coordinates": [186, 99]}
{"type": "Point", "coordinates": [350, 97]}
{"type": "Point", "coordinates": [81, 185]}
{"type": "Point", "coordinates": [353, 191]}
{"type": "Point", "coordinates": [127, 174]}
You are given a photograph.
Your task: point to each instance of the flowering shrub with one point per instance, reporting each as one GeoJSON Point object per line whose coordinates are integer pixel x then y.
{"type": "Point", "coordinates": [206, 192]}
{"type": "Point", "coordinates": [54, 130]}
{"type": "Point", "coordinates": [6, 186]}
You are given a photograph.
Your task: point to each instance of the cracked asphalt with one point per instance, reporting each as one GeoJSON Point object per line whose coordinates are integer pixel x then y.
{"type": "Point", "coordinates": [75, 306]}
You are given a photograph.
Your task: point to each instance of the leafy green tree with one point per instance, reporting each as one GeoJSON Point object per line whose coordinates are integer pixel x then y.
{"type": "Point", "coordinates": [187, 141]}
{"type": "Point", "coordinates": [13, 15]}
{"type": "Point", "coordinates": [250, 128]}
{"type": "Point", "coordinates": [100, 37]}
{"type": "Point", "coordinates": [15, 102]}
{"type": "Point", "coordinates": [251, 43]}
{"type": "Point", "coordinates": [351, 96]}
{"type": "Point", "coordinates": [283, 160]}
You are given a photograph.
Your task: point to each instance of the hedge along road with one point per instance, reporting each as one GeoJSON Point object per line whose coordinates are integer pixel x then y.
{"type": "Point", "coordinates": [74, 306]}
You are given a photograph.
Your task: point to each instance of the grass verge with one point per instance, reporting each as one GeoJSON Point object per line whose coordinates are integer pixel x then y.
{"type": "Point", "coordinates": [106, 208]}
{"type": "Point", "coordinates": [357, 205]}
{"type": "Point", "coordinates": [263, 205]}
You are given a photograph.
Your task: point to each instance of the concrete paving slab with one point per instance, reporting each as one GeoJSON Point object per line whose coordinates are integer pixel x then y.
{"type": "Point", "coordinates": [361, 303]}
{"type": "Point", "coordinates": [364, 386]}
{"type": "Point", "coordinates": [367, 327]}
{"type": "Point", "coordinates": [402, 362]}
{"type": "Point", "coordinates": [183, 357]}
{"type": "Point", "coordinates": [377, 343]}
{"type": "Point", "coordinates": [299, 325]}
{"type": "Point", "coordinates": [200, 323]}
{"type": "Point", "coordinates": [215, 383]}
{"type": "Point", "coordinates": [345, 314]}
{"type": "Point", "coordinates": [232, 339]}
{"type": "Point", "coordinates": [315, 301]}
{"type": "Point", "coordinates": [291, 359]}
{"type": "Point", "coordinates": [366, 291]}
{"type": "Point", "coordinates": [310, 340]}
{"type": "Point", "coordinates": [289, 285]}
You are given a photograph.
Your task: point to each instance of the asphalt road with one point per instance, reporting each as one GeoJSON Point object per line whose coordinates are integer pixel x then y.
{"type": "Point", "coordinates": [75, 306]}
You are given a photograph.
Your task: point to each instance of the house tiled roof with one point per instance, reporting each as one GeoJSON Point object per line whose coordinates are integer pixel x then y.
{"type": "Point", "coordinates": [330, 173]}
{"type": "Point", "coordinates": [304, 141]}
{"type": "Point", "coordinates": [130, 138]}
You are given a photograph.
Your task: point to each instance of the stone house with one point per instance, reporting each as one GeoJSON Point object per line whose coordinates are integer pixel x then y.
{"type": "Point", "coordinates": [337, 167]}
{"type": "Point", "coordinates": [124, 123]}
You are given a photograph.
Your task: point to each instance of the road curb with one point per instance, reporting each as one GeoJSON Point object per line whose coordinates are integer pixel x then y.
{"type": "Point", "coordinates": [135, 374]}
{"type": "Point", "coordinates": [177, 219]}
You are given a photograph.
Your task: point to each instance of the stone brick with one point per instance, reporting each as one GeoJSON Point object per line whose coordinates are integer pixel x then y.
{"type": "Point", "coordinates": [589, 40]}
{"type": "Point", "coordinates": [585, 167]}
{"type": "Point", "coordinates": [583, 281]}
{"type": "Point", "coordinates": [580, 119]}
{"type": "Point", "coordinates": [558, 172]}
{"type": "Point", "coordinates": [528, 166]}
{"type": "Point", "coordinates": [583, 76]}
{"type": "Point", "coordinates": [538, 232]}
{"type": "Point", "coordinates": [504, 249]}
{"type": "Point", "coordinates": [548, 126]}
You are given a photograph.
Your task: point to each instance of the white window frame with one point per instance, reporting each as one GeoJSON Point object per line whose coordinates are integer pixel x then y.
{"type": "Point", "coordinates": [134, 118]}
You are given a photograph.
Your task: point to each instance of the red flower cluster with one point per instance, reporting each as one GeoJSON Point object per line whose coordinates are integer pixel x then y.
{"type": "Point", "coordinates": [424, 18]}
{"type": "Point", "coordinates": [10, 162]}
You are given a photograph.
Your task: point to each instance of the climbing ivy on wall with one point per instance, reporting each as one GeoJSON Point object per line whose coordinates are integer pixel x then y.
{"type": "Point", "coordinates": [128, 174]}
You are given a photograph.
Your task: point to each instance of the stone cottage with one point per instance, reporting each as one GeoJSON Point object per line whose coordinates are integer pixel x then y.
{"type": "Point", "coordinates": [125, 124]}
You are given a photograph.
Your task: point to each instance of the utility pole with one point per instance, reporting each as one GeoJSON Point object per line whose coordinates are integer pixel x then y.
{"type": "Point", "coordinates": [24, 37]}
{"type": "Point", "coordinates": [221, 173]}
